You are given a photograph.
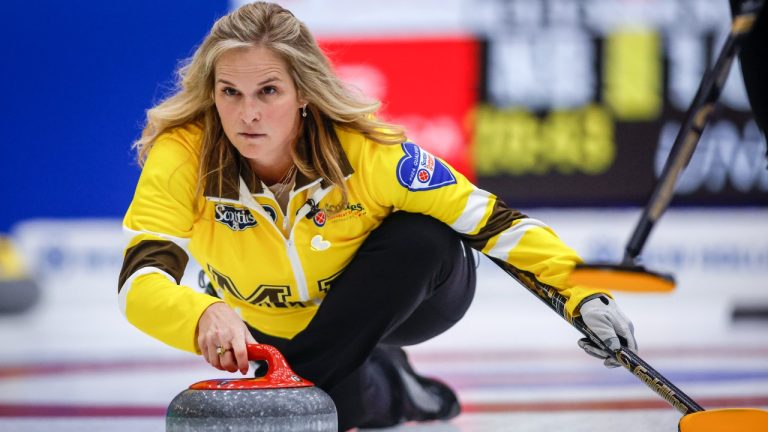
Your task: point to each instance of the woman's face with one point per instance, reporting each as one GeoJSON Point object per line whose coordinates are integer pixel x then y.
{"type": "Point", "coordinates": [258, 103]}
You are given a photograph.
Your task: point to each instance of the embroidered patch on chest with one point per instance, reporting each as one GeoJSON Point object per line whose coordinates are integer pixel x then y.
{"type": "Point", "coordinates": [318, 244]}
{"type": "Point", "coordinates": [270, 211]}
{"type": "Point", "coordinates": [237, 219]}
{"type": "Point", "coordinates": [419, 170]}
{"type": "Point", "coordinates": [320, 218]}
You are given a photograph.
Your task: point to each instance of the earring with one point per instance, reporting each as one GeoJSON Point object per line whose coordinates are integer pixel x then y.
{"type": "Point", "coordinates": [304, 110]}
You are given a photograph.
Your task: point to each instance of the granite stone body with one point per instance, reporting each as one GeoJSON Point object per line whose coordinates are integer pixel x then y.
{"type": "Point", "coordinates": [278, 410]}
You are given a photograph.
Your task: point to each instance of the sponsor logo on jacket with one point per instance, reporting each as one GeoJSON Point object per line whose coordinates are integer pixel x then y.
{"type": "Point", "coordinates": [337, 213]}
{"type": "Point", "coordinates": [319, 218]}
{"type": "Point", "coordinates": [270, 211]}
{"type": "Point", "coordinates": [237, 219]}
{"type": "Point", "coordinates": [419, 170]}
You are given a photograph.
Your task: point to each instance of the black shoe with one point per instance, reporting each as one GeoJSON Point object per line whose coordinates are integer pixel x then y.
{"type": "Point", "coordinates": [422, 398]}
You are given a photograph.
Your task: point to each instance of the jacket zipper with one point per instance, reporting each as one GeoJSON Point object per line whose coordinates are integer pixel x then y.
{"type": "Point", "coordinates": [293, 253]}
{"type": "Point", "coordinates": [290, 244]}
{"type": "Point", "coordinates": [293, 256]}
{"type": "Point", "coordinates": [298, 270]}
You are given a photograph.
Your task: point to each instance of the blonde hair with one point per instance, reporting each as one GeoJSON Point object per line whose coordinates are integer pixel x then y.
{"type": "Point", "coordinates": [330, 102]}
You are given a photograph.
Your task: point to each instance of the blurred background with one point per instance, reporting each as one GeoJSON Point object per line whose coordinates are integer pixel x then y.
{"type": "Point", "coordinates": [566, 109]}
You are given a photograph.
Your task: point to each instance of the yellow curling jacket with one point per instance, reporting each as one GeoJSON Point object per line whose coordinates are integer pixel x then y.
{"type": "Point", "coordinates": [275, 270]}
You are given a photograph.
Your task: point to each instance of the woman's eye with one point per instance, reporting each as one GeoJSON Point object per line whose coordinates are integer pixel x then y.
{"type": "Point", "coordinates": [269, 90]}
{"type": "Point", "coordinates": [229, 91]}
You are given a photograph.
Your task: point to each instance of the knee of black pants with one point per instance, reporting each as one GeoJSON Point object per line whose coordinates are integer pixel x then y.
{"type": "Point", "coordinates": [441, 277]}
{"type": "Point", "coordinates": [447, 294]}
{"type": "Point", "coordinates": [416, 239]}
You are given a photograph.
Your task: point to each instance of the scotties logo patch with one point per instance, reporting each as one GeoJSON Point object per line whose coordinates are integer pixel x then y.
{"type": "Point", "coordinates": [419, 170]}
{"type": "Point", "coordinates": [269, 210]}
{"type": "Point", "coordinates": [237, 219]}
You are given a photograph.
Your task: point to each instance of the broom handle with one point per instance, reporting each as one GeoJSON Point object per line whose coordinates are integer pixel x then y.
{"type": "Point", "coordinates": [696, 118]}
{"type": "Point", "coordinates": [631, 361]}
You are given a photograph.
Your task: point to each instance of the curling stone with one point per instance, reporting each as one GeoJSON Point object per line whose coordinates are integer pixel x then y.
{"type": "Point", "coordinates": [280, 401]}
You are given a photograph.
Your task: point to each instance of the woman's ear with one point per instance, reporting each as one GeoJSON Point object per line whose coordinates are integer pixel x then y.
{"type": "Point", "coordinates": [300, 97]}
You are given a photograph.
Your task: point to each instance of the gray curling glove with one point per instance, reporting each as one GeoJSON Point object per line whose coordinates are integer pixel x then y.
{"type": "Point", "coordinates": [603, 317]}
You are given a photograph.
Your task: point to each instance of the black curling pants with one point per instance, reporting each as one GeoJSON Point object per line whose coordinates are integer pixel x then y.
{"type": "Point", "coordinates": [412, 279]}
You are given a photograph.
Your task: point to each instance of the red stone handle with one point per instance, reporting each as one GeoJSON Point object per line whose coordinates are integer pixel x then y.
{"type": "Point", "coordinates": [279, 373]}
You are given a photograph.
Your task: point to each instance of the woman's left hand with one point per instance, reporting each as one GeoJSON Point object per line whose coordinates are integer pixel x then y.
{"type": "Point", "coordinates": [608, 322]}
{"type": "Point", "coordinates": [221, 338]}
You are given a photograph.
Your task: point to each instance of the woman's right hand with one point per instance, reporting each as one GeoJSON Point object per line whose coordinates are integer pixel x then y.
{"type": "Point", "coordinates": [221, 338]}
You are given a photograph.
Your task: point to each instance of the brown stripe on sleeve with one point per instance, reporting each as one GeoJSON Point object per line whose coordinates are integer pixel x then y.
{"type": "Point", "coordinates": [165, 255]}
{"type": "Point", "coordinates": [500, 219]}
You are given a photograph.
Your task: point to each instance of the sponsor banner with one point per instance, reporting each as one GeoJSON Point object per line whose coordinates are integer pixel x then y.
{"type": "Point", "coordinates": [356, 18]}
{"type": "Point", "coordinates": [582, 109]}
{"type": "Point", "coordinates": [427, 85]}
{"type": "Point", "coordinates": [719, 257]}
{"type": "Point", "coordinates": [78, 261]}
{"type": "Point", "coordinates": [386, 17]}
{"type": "Point", "coordinates": [579, 101]}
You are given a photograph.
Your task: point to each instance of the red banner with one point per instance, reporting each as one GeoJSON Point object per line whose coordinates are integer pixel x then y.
{"type": "Point", "coordinates": [427, 85]}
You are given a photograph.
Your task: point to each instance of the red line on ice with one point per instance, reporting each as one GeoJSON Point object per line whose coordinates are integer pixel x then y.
{"type": "Point", "coordinates": [44, 410]}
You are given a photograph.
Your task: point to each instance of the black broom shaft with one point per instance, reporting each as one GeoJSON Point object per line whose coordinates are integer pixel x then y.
{"type": "Point", "coordinates": [631, 361]}
{"type": "Point", "coordinates": [696, 118]}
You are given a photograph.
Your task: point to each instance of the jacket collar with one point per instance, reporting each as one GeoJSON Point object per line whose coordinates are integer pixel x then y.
{"type": "Point", "coordinates": [237, 167]}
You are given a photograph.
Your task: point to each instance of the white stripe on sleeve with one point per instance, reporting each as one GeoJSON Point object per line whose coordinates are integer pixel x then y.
{"type": "Point", "coordinates": [123, 294]}
{"type": "Point", "coordinates": [512, 236]}
{"type": "Point", "coordinates": [472, 216]}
